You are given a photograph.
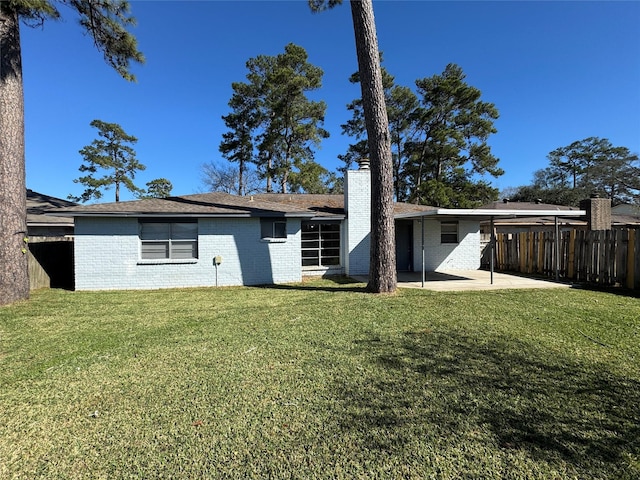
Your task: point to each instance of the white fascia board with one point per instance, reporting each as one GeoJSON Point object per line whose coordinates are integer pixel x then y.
{"type": "Point", "coordinates": [462, 212]}
{"type": "Point", "coordinates": [479, 213]}
{"type": "Point", "coordinates": [333, 218]}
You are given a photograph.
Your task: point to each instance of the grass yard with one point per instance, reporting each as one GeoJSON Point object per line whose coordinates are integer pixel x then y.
{"type": "Point", "coordinates": [320, 380]}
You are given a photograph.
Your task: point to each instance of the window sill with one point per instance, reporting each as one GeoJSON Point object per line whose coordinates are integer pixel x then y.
{"type": "Point", "coordinates": [168, 261]}
{"type": "Point", "coordinates": [321, 267]}
{"type": "Point", "coordinates": [320, 271]}
{"type": "Point", "coordinates": [273, 240]}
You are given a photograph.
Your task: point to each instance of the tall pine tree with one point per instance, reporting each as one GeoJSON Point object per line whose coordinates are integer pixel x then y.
{"type": "Point", "coordinates": [382, 265]}
{"type": "Point", "coordinates": [108, 161]}
{"type": "Point", "coordinates": [107, 22]}
{"type": "Point", "coordinates": [450, 149]}
{"type": "Point", "coordinates": [272, 122]}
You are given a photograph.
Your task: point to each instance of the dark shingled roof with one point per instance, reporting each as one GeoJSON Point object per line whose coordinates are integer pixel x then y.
{"type": "Point", "coordinates": [320, 204]}
{"type": "Point", "coordinates": [202, 204]}
{"type": "Point", "coordinates": [39, 203]}
{"type": "Point", "coordinates": [224, 204]}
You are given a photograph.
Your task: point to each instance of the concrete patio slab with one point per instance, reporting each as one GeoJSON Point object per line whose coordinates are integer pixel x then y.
{"type": "Point", "coordinates": [461, 280]}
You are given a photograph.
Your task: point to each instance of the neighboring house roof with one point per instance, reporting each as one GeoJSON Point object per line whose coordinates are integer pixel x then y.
{"type": "Point", "coordinates": [534, 213]}
{"type": "Point", "coordinates": [39, 203]}
{"type": "Point", "coordinates": [502, 205]}
{"type": "Point", "coordinates": [624, 220]}
{"type": "Point", "coordinates": [620, 215]}
{"type": "Point", "coordinates": [626, 209]}
{"type": "Point", "coordinates": [219, 204]}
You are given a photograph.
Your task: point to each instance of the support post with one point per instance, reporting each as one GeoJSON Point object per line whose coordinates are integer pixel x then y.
{"type": "Point", "coordinates": [422, 227]}
{"type": "Point", "coordinates": [557, 249]}
{"type": "Point", "coordinates": [492, 241]}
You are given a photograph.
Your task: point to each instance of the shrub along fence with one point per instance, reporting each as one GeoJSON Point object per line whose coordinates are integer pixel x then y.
{"type": "Point", "coordinates": [604, 257]}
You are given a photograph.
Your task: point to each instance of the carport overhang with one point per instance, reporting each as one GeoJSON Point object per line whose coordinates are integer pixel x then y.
{"type": "Point", "coordinates": [483, 215]}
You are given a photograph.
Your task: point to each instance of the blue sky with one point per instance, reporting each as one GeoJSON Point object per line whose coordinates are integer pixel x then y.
{"type": "Point", "coordinates": [556, 71]}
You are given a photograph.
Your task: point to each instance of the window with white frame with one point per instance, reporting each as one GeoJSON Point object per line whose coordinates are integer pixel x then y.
{"type": "Point", "coordinates": [273, 228]}
{"type": "Point", "coordinates": [448, 232]}
{"type": "Point", "coordinates": [168, 240]}
{"type": "Point", "coordinates": [320, 244]}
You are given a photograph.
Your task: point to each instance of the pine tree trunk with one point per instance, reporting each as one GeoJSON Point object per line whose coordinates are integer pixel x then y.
{"type": "Point", "coordinates": [241, 189]}
{"type": "Point", "coordinates": [14, 273]}
{"type": "Point", "coordinates": [269, 165]}
{"type": "Point", "coordinates": [382, 268]}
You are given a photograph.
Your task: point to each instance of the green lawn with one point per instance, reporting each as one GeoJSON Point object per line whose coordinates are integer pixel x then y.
{"type": "Point", "coordinates": [320, 380]}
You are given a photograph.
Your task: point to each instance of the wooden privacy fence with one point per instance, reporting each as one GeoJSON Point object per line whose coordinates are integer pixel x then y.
{"type": "Point", "coordinates": [605, 257]}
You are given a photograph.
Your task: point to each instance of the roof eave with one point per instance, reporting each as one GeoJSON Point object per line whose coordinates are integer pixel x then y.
{"type": "Point", "coordinates": [184, 215]}
{"type": "Point", "coordinates": [485, 214]}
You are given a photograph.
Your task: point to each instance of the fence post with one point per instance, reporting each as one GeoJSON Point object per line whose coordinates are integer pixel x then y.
{"type": "Point", "coordinates": [636, 254]}
{"type": "Point", "coordinates": [522, 252]}
{"type": "Point", "coordinates": [631, 263]}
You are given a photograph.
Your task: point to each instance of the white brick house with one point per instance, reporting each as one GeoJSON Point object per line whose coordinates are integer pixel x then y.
{"type": "Point", "coordinates": [216, 239]}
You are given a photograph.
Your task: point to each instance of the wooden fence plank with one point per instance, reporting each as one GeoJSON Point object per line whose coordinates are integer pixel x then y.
{"type": "Point", "coordinates": [571, 264]}
{"type": "Point", "coordinates": [621, 259]}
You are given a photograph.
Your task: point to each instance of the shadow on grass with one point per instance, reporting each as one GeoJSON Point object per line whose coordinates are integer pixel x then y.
{"type": "Point", "coordinates": [510, 397]}
{"type": "Point", "coordinates": [621, 291]}
{"type": "Point", "coordinates": [325, 284]}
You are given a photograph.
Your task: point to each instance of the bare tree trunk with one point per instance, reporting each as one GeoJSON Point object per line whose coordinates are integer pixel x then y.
{"type": "Point", "coordinates": [382, 267]}
{"type": "Point", "coordinates": [14, 273]}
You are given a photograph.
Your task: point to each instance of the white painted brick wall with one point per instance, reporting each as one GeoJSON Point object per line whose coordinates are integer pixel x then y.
{"type": "Point", "coordinates": [357, 203]}
{"type": "Point", "coordinates": [107, 256]}
{"type": "Point", "coordinates": [464, 255]}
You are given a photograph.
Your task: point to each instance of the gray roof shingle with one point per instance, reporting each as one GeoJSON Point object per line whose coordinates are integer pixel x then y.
{"type": "Point", "coordinates": [224, 204]}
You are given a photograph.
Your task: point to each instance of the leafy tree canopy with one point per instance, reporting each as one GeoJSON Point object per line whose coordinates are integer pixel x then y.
{"type": "Point", "coordinates": [583, 168]}
{"type": "Point", "coordinates": [157, 188]}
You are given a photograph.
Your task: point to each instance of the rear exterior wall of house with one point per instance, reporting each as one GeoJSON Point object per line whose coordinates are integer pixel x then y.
{"type": "Point", "coordinates": [462, 255]}
{"type": "Point", "coordinates": [108, 256]}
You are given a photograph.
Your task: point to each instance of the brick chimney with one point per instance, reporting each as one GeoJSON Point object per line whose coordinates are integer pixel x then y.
{"type": "Point", "coordinates": [357, 203]}
{"type": "Point", "coordinates": [598, 212]}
